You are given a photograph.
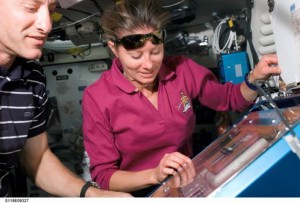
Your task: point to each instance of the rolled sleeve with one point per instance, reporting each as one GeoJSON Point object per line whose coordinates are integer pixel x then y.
{"type": "Point", "coordinates": [213, 94]}
{"type": "Point", "coordinates": [98, 143]}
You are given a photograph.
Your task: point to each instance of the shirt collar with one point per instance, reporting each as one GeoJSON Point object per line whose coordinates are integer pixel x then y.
{"type": "Point", "coordinates": [19, 69]}
{"type": "Point", "coordinates": [166, 72]}
{"type": "Point", "coordinates": [118, 78]}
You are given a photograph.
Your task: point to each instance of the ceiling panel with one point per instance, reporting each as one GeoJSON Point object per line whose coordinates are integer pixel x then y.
{"type": "Point", "coordinates": [201, 9]}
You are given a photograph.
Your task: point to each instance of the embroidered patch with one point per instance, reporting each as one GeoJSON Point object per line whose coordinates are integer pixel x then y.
{"type": "Point", "coordinates": [184, 102]}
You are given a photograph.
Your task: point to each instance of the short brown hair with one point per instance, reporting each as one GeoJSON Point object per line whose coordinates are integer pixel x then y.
{"type": "Point", "coordinates": [129, 15]}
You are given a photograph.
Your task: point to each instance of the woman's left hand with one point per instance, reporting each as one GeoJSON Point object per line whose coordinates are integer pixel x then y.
{"type": "Point", "coordinates": [267, 66]}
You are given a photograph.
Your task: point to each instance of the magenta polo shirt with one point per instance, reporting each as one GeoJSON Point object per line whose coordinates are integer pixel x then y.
{"type": "Point", "coordinates": [123, 130]}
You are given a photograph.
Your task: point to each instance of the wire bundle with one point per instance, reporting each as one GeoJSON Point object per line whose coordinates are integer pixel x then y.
{"type": "Point", "coordinates": [232, 38]}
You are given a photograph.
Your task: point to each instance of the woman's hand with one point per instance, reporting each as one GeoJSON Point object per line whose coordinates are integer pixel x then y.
{"type": "Point", "coordinates": [267, 66]}
{"type": "Point", "coordinates": [175, 164]}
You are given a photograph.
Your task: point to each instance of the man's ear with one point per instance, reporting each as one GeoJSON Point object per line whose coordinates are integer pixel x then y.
{"type": "Point", "coordinates": [112, 47]}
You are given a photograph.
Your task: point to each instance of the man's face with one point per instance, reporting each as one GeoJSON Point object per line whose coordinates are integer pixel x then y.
{"type": "Point", "coordinates": [25, 25]}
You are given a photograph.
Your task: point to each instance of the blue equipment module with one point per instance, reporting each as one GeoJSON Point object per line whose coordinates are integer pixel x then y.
{"type": "Point", "coordinates": [234, 67]}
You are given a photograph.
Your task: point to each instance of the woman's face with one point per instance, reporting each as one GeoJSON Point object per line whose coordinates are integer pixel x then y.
{"type": "Point", "coordinates": [140, 65]}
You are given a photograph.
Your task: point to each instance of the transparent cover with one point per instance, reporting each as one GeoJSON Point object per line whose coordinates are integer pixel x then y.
{"type": "Point", "coordinates": [229, 154]}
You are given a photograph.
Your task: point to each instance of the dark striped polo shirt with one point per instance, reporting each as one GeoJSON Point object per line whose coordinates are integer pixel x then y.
{"type": "Point", "coordinates": [22, 112]}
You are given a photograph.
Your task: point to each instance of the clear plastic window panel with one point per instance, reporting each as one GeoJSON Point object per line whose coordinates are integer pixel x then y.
{"type": "Point", "coordinates": [230, 153]}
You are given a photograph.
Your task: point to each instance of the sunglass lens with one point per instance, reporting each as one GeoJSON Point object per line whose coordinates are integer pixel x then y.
{"type": "Point", "coordinates": [155, 39]}
{"type": "Point", "coordinates": [131, 41]}
{"type": "Point", "coordinates": [138, 41]}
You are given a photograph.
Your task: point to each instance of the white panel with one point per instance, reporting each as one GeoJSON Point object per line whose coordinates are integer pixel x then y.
{"type": "Point", "coordinates": [67, 82]}
{"type": "Point", "coordinates": [286, 27]}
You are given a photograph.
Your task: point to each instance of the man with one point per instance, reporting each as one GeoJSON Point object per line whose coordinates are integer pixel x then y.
{"type": "Point", "coordinates": [25, 25]}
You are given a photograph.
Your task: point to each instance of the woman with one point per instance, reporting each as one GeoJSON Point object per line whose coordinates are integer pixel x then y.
{"type": "Point", "coordinates": [138, 117]}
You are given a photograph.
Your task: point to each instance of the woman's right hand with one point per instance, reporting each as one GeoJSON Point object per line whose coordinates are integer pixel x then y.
{"type": "Point", "coordinates": [173, 163]}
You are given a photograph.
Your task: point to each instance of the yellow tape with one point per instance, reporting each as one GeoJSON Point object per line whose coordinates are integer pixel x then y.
{"type": "Point", "coordinates": [230, 23]}
{"type": "Point", "coordinates": [56, 16]}
{"type": "Point", "coordinates": [75, 50]}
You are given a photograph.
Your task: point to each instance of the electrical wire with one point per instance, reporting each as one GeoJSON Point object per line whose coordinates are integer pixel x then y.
{"type": "Point", "coordinates": [216, 38]}
{"type": "Point", "coordinates": [273, 104]}
{"type": "Point", "coordinates": [98, 7]}
{"type": "Point", "coordinates": [83, 19]}
{"type": "Point", "coordinates": [87, 51]}
{"type": "Point", "coordinates": [249, 32]}
{"type": "Point", "coordinates": [168, 6]}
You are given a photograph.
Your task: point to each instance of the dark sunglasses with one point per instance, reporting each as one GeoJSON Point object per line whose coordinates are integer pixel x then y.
{"type": "Point", "coordinates": [138, 40]}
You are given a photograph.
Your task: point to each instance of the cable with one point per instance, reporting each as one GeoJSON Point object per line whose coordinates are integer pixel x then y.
{"type": "Point", "coordinates": [230, 40]}
{"type": "Point", "coordinates": [272, 103]}
{"type": "Point", "coordinates": [168, 6]}
{"type": "Point", "coordinates": [83, 19]}
{"type": "Point", "coordinates": [98, 7]}
{"type": "Point", "coordinates": [249, 32]}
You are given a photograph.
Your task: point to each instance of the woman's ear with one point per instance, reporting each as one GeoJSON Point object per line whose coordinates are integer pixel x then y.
{"type": "Point", "coordinates": [112, 47]}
